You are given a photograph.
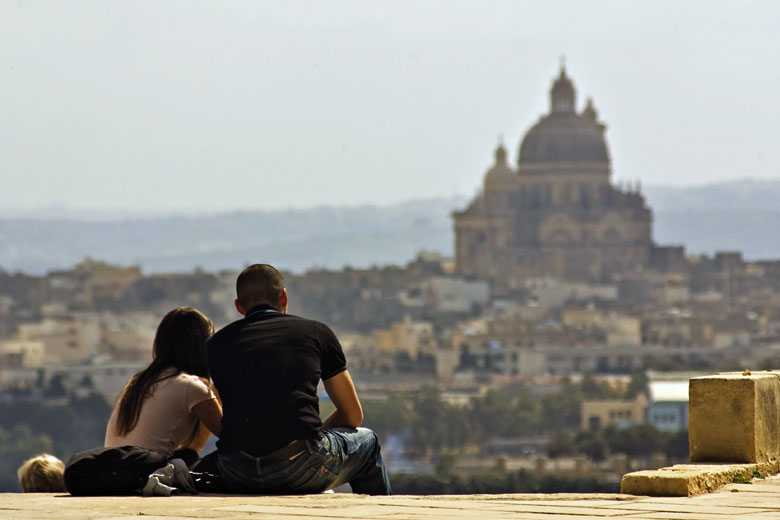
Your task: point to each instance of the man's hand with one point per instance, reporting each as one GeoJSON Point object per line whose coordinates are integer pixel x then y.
{"type": "Point", "coordinates": [348, 412]}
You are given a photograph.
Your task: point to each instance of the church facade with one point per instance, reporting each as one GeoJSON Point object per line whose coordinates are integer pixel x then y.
{"type": "Point", "coordinates": [556, 213]}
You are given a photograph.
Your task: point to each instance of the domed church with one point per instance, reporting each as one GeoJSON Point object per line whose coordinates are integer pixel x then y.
{"type": "Point", "coordinates": [556, 214]}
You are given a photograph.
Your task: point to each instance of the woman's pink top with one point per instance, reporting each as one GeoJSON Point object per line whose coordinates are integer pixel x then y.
{"type": "Point", "coordinates": [166, 419]}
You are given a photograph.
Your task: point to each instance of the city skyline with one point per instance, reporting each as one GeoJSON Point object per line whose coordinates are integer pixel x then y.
{"type": "Point", "coordinates": [172, 108]}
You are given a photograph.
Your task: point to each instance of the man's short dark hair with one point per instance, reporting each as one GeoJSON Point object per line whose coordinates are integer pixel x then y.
{"type": "Point", "coordinates": [259, 284]}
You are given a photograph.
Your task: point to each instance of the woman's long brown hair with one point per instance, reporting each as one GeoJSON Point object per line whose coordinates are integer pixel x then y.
{"type": "Point", "coordinates": [179, 344]}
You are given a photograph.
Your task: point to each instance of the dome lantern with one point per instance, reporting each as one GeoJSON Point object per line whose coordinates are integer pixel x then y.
{"type": "Point", "coordinates": [500, 155]}
{"type": "Point", "coordinates": [562, 94]}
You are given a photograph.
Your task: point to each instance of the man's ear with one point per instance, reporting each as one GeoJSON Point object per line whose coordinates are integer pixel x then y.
{"type": "Point", "coordinates": [283, 301]}
{"type": "Point", "coordinates": [239, 307]}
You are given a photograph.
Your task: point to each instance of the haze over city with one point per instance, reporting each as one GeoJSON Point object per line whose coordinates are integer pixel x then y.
{"type": "Point", "coordinates": [531, 227]}
{"type": "Point", "coordinates": [203, 107]}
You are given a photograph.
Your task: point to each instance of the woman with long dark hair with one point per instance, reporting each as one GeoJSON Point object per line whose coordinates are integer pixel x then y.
{"type": "Point", "coordinates": [170, 405]}
{"type": "Point", "coordinates": [166, 412]}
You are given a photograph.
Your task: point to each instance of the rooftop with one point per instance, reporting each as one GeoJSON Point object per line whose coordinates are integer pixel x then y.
{"type": "Point", "coordinates": [668, 391]}
{"type": "Point", "coordinates": [759, 500]}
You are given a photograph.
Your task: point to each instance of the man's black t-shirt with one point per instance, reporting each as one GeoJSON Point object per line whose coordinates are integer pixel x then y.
{"type": "Point", "coordinates": [266, 368]}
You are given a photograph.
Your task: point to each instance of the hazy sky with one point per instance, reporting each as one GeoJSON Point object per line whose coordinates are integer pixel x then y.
{"type": "Point", "coordinates": [220, 105]}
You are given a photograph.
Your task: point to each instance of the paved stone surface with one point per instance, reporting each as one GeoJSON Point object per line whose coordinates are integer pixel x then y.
{"type": "Point", "coordinates": [760, 500]}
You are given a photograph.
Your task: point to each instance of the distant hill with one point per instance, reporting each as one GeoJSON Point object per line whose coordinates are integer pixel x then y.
{"type": "Point", "coordinates": [329, 237]}
{"type": "Point", "coordinates": [744, 195]}
{"type": "Point", "coordinates": [728, 216]}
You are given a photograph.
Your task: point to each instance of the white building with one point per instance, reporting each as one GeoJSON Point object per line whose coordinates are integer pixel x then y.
{"type": "Point", "coordinates": [667, 407]}
{"type": "Point", "coordinates": [447, 294]}
{"type": "Point", "coordinates": [551, 293]}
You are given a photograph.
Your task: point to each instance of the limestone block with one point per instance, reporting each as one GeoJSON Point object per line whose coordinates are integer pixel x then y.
{"type": "Point", "coordinates": [733, 417]}
{"type": "Point", "coordinates": [684, 480]}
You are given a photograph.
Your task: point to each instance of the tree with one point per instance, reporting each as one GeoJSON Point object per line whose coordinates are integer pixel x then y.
{"type": "Point", "coordinates": [458, 431]}
{"type": "Point", "coordinates": [526, 415]}
{"type": "Point", "coordinates": [560, 444]}
{"type": "Point", "coordinates": [76, 427]}
{"type": "Point", "coordinates": [637, 385]}
{"type": "Point", "coordinates": [649, 438]}
{"type": "Point", "coordinates": [636, 440]}
{"type": "Point", "coordinates": [491, 413]}
{"type": "Point", "coordinates": [56, 386]}
{"type": "Point", "coordinates": [561, 410]}
{"type": "Point", "coordinates": [677, 447]}
{"type": "Point", "coordinates": [16, 445]}
{"type": "Point", "coordinates": [389, 416]}
{"type": "Point", "coordinates": [592, 444]}
{"type": "Point", "coordinates": [428, 428]}
{"type": "Point", "coordinates": [593, 389]}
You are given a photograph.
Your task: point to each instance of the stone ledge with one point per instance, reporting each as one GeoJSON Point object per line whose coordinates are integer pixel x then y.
{"type": "Point", "coordinates": [685, 480]}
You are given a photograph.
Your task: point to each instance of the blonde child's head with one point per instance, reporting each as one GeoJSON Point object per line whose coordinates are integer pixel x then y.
{"type": "Point", "coordinates": [42, 474]}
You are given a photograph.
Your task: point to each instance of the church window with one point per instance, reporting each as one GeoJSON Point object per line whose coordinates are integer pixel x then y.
{"type": "Point", "coordinates": [584, 198]}
{"type": "Point", "coordinates": [559, 236]}
{"type": "Point", "coordinates": [612, 235]}
{"type": "Point", "coordinates": [546, 195]}
{"type": "Point", "coordinates": [536, 198]}
{"type": "Point", "coordinates": [573, 194]}
{"type": "Point", "coordinates": [556, 195]}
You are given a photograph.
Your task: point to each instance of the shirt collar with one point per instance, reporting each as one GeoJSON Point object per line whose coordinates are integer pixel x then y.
{"type": "Point", "coordinates": [259, 309]}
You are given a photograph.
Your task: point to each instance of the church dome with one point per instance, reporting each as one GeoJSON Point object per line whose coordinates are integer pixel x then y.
{"type": "Point", "coordinates": [500, 175]}
{"type": "Point", "coordinates": [563, 135]}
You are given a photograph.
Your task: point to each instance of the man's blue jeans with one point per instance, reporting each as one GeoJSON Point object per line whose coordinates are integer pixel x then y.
{"type": "Point", "coordinates": [342, 455]}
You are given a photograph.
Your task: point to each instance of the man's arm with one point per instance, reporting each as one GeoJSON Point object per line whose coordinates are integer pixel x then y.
{"type": "Point", "coordinates": [348, 412]}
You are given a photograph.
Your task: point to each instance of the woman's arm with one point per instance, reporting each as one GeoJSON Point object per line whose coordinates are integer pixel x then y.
{"type": "Point", "coordinates": [209, 414]}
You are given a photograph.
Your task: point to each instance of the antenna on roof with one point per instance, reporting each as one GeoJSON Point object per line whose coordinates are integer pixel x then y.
{"type": "Point", "coordinates": [563, 62]}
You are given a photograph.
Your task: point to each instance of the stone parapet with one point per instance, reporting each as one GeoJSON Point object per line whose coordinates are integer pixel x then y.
{"type": "Point", "coordinates": [733, 434]}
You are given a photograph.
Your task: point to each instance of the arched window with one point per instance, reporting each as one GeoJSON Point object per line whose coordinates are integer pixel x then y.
{"type": "Point", "coordinates": [612, 236]}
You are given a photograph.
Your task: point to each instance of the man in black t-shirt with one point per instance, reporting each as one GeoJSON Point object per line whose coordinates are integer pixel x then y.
{"type": "Point", "coordinates": [266, 368]}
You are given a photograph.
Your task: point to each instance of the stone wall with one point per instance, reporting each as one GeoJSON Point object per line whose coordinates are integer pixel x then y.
{"type": "Point", "coordinates": [733, 433]}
